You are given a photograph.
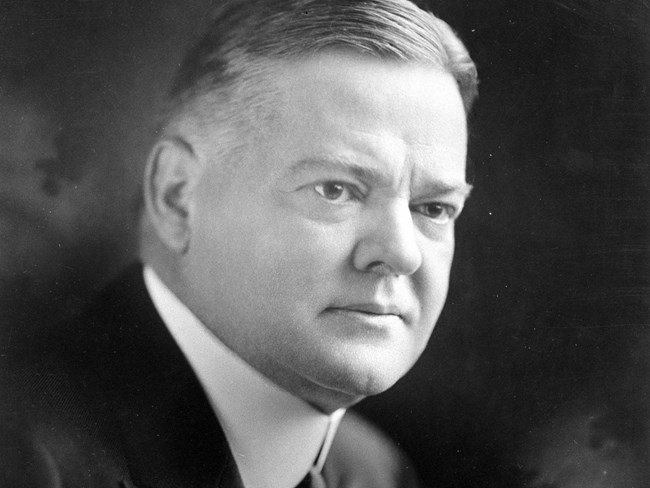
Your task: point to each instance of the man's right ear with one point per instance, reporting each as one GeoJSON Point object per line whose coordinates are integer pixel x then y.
{"type": "Point", "coordinates": [173, 171]}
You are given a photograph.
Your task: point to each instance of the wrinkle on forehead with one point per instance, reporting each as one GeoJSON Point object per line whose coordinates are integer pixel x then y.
{"type": "Point", "coordinates": [427, 159]}
{"type": "Point", "coordinates": [402, 119]}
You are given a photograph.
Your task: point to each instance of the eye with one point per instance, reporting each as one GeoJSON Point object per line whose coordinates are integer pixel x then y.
{"type": "Point", "coordinates": [438, 212]}
{"type": "Point", "coordinates": [335, 191]}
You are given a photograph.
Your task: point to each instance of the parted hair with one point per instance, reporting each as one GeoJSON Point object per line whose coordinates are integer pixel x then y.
{"type": "Point", "coordinates": [227, 63]}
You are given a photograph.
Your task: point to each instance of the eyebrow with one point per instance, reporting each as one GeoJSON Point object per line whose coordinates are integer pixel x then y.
{"type": "Point", "coordinates": [441, 188]}
{"type": "Point", "coordinates": [340, 163]}
{"type": "Point", "coordinates": [368, 173]}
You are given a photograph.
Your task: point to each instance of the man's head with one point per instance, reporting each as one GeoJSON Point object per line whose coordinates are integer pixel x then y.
{"type": "Point", "coordinates": [304, 189]}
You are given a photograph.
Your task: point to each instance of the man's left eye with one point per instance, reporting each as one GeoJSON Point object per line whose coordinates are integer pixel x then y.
{"type": "Point", "coordinates": [335, 191]}
{"type": "Point", "coordinates": [440, 213]}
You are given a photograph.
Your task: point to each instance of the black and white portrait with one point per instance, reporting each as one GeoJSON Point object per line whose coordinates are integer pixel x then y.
{"type": "Point", "coordinates": [308, 243]}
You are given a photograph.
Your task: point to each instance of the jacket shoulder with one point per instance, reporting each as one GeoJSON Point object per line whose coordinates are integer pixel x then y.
{"type": "Point", "coordinates": [52, 433]}
{"type": "Point", "coordinates": [56, 424]}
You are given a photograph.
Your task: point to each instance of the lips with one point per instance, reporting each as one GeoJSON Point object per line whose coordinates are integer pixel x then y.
{"type": "Point", "coordinates": [372, 309]}
{"type": "Point", "coordinates": [371, 313]}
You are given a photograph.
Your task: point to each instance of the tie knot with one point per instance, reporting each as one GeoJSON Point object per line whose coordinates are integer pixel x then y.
{"type": "Point", "coordinates": [314, 479]}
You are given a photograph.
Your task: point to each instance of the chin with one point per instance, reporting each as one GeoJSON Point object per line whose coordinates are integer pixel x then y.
{"type": "Point", "coordinates": [358, 379]}
{"type": "Point", "coordinates": [346, 391]}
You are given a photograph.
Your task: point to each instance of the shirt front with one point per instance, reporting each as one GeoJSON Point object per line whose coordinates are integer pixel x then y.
{"type": "Point", "coordinates": [275, 437]}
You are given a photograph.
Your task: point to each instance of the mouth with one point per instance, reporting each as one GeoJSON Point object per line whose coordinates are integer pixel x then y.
{"type": "Point", "coordinates": [369, 314]}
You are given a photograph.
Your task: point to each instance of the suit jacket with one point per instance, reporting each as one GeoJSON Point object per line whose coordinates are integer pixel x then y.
{"type": "Point", "coordinates": [109, 400]}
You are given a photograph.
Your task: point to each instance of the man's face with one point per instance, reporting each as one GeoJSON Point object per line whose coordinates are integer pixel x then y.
{"type": "Point", "coordinates": [323, 259]}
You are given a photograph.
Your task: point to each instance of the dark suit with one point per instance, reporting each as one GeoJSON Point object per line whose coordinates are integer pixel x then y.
{"type": "Point", "coordinates": [109, 400]}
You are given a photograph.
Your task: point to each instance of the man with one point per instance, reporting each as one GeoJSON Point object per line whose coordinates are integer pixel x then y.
{"type": "Point", "coordinates": [300, 202]}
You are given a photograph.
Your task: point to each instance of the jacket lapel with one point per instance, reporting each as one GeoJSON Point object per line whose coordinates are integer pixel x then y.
{"type": "Point", "coordinates": [169, 432]}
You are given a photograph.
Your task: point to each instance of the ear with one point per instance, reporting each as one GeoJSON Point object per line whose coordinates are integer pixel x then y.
{"type": "Point", "coordinates": [173, 171]}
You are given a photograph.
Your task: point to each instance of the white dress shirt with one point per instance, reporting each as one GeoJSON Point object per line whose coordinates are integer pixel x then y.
{"type": "Point", "coordinates": [275, 437]}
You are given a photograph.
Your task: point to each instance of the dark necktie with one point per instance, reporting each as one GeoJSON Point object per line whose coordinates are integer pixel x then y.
{"type": "Point", "coordinates": [314, 479]}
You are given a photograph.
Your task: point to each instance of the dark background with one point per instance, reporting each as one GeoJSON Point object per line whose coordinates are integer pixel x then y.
{"type": "Point", "coordinates": [548, 311]}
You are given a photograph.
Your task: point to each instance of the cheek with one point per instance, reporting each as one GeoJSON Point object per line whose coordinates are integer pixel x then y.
{"type": "Point", "coordinates": [278, 260]}
{"type": "Point", "coordinates": [303, 258]}
{"type": "Point", "coordinates": [432, 279]}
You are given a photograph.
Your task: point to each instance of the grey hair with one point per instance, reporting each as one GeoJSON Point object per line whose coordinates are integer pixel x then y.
{"type": "Point", "coordinates": [226, 66]}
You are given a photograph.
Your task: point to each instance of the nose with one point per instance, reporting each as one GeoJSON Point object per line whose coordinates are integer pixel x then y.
{"type": "Point", "coordinates": [388, 242]}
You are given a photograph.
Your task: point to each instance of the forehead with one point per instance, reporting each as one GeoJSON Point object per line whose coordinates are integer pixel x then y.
{"type": "Point", "coordinates": [383, 110]}
{"type": "Point", "coordinates": [365, 88]}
